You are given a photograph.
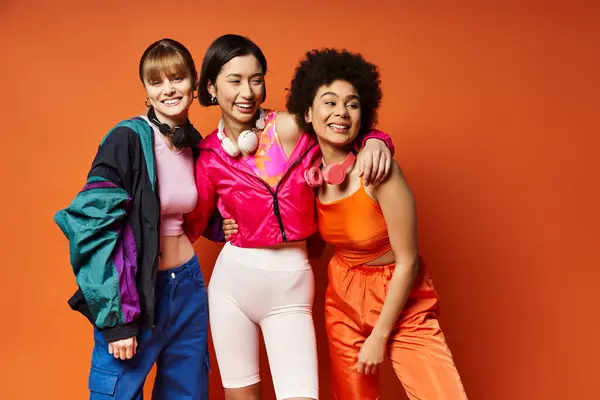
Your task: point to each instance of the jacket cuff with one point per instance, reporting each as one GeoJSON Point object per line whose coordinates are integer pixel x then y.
{"type": "Point", "coordinates": [120, 332]}
{"type": "Point", "coordinates": [376, 134]}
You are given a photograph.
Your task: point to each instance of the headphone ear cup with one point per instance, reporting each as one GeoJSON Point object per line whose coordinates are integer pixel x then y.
{"type": "Point", "coordinates": [307, 179]}
{"type": "Point", "coordinates": [229, 147]}
{"type": "Point", "coordinates": [334, 174]}
{"type": "Point", "coordinates": [164, 128]}
{"type": "Point", "coordinates": [248, 141]}
{"type": "Point", "coordinates": [313, 177]}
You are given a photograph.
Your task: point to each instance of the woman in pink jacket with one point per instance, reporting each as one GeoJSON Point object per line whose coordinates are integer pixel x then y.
{"type": "Point", "coordinates": [252, 168]}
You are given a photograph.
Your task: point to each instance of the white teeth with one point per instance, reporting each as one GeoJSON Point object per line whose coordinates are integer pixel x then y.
{"type": "Point", "coordinates": [338, 126]}
{"type": "Point", "coordinates": [244, 105]}
{"type": "Point", "coordinates": [171, 101]}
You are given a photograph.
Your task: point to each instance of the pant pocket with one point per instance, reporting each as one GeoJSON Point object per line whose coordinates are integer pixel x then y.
{"type": "Point", "coordinates": [102, 383]}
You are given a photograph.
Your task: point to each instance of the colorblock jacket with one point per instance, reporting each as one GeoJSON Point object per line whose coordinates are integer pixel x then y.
{"type": "Point", "coordinates": [113, 230]}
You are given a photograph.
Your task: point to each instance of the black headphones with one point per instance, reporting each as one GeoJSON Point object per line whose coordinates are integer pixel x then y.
{"type": "Point", "coordinates": [181, 136]}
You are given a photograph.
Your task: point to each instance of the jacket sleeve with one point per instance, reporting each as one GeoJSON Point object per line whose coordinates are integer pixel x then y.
{"type": "Point", "coordinates": [101, 243]}
{"type": "Point", "coordinates": [376, 134]}
{"type": "Point", "coordinates": [204, 220]}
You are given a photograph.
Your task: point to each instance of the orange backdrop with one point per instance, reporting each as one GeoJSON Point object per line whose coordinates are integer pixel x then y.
{"type": "Point", "coordinates": [494, 114]}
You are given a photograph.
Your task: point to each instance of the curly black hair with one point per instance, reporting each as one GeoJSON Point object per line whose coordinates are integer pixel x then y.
{"type": "Point", "coordinates": [323, 67]}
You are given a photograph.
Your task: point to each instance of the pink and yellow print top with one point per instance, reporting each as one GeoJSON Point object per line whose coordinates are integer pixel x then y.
{"type": "Point", "coordinates": [269, 160]}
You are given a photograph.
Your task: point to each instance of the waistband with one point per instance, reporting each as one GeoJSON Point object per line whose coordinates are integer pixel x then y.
{"type": "Point", "coordinates": [188, 269]}
{"type": "Point", "coordinates": [293, 256]}
{"type": "Point", "coordinates": [423, 287]}
{"type": "Point", "coordinates": [385, 269]}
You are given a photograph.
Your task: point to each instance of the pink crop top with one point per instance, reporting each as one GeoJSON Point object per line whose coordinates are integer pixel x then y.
{"type": "Point", "coordinates": [176, 185]}
{"type": "Point", "coordinates": [269, 160]}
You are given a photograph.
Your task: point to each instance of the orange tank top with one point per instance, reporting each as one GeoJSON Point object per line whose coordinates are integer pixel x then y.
{"type": "Point", "coordinates": [355, 227]}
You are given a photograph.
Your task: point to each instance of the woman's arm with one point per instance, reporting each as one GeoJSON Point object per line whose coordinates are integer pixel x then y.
{"type": "Point", "coordinates": [101, 254]}
{"type": "Point", "coordinates": [374, 160]}
{"type": "Point", "coordinates": [204, 219]}
{"type": "Point", "coordinates": [397, 204]}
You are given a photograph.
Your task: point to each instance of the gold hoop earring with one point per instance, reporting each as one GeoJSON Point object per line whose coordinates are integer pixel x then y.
{"type": "Point", "coordinates": [147, 102]}
{"type": "Point", "coordinates": [214, 100]}
{"type": "Point", "coordinates": [195, 94]}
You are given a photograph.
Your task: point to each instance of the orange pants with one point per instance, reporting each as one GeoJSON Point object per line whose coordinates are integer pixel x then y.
{"type": "Point", "coordinates": [416, 347]}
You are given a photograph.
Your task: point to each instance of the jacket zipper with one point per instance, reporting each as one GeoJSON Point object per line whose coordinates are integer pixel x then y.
{"type": "Point", "coordinates": [276, 210]}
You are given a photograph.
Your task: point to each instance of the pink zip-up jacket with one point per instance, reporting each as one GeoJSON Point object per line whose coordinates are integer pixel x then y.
{"type": "Point", "coordinates": [265, 216]}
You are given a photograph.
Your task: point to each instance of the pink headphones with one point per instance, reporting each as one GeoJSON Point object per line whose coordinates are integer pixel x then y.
{"type": "Point", "coordinates": [333, 174]}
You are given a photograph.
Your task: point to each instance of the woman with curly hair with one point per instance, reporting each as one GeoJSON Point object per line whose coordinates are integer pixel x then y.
{"type": "Point", "coordinates": [251, 168]}
{"type": "Point", "coordinates": [380, 298]}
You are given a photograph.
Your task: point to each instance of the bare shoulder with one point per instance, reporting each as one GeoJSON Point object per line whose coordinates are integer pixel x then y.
{"type": "Point", "coordinates": [393, 186]}
{"type": "Point", "coordinates": [286, 126]}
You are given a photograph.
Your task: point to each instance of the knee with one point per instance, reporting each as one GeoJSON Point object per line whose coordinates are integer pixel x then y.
{"type": "Point", "coordinates": [251, 392]}
{"type": "Point", "coordinates": [300, 398]}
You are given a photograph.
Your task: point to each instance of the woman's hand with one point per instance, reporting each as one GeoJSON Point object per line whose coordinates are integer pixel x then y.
{"type": "Point", "coordinates": [123, 349]}
{"type": "Point", "coordinates": [371, 354]}
{"type": "Point", "coordinates": [374, 162]}
{"type": "Point", "coordinates": [229, 228]}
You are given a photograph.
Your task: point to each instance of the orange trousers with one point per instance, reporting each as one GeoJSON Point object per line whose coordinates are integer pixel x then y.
{"type": "Point", "coordinates": [416, 347]}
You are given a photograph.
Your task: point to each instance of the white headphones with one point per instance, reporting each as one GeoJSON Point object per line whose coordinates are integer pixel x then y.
{"type": "Point", "coordinates": [247, 141]}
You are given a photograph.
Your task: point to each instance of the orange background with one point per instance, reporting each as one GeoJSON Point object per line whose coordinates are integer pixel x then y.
{"type": "Point", "coordinates": [494, 112]}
